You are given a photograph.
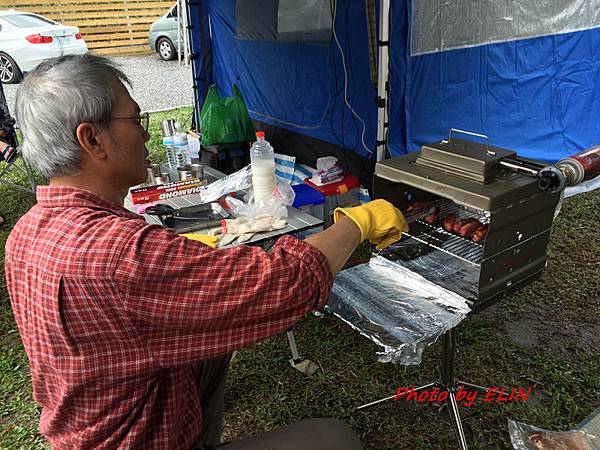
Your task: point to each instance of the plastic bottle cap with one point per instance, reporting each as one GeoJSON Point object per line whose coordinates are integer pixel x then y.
{"type": "Point", "coordinates": [260, 134]}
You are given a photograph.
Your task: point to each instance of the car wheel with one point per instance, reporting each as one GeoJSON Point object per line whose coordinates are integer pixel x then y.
{"type": "Point", "coordinates": [165, 49]}
{"type": "Point", "coordinates": [9, 71]}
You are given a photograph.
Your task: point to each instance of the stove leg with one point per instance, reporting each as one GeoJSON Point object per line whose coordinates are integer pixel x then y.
{"type": "Point", "coordinates": [391, 397]}
{"type": "Point", "coordinates": [306, 366]}
{"type": "Point", "coordinates": [448, 383]}
{"type": "Point", "coordinates": [448, 350]}
{"type": "Point", "coordinates": [476, 387]}
{"type": "Point", "coordinates": [455, 418]}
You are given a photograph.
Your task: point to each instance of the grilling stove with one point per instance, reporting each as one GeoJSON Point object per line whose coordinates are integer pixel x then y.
{"type": "Point", "coordinates": [517, 199]}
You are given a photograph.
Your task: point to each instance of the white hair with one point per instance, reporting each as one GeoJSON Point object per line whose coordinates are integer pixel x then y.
{"type": "Point", "coordinates": [54, 99]}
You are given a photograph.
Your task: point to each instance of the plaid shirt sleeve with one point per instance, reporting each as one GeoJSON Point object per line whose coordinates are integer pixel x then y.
{"type": "Point", "coordinates": [191, 302]}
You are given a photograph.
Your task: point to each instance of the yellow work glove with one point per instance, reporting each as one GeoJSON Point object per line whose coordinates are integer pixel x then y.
{"type": "Point", "coordinates": [379, 221]}
{"type": "Point", "coordinates": [211, 241]}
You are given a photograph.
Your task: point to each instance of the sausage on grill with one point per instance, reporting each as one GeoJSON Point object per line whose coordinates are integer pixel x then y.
{"type": "Point", "coordinates": [416, 207]}
{"type": "Point", "coordinates": [469, 226]}
{"type": "Point", "coordinates": [480, 233]}
{"type": "Point", "coordinates": [458, 224]}
{"type": "Point", "coordinates": [449, 222]}
{"type": "Point", "coordinates": [431, 218]}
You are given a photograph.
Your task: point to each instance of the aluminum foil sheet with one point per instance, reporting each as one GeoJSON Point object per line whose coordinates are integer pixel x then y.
{"type": "Point", "coordinates": [398, 309]}
{"type": "Point", "coordinates": [439, 25]}
{"type": "Point", "coordinates": [586, 186]}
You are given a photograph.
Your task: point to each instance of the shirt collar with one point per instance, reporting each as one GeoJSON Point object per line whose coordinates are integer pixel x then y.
{"type": "Point", "coordinates": [63, 196]}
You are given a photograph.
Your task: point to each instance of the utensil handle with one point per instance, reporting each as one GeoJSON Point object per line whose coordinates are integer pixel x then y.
{"type": "Point", "coordinates": [410, 218]}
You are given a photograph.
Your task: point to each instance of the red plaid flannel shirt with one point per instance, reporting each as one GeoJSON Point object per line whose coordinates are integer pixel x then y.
{"type": "Point", "coordinates": [112, 311]}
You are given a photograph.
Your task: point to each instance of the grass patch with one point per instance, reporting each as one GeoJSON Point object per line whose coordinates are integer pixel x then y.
{"type": "Point", "coordinates": [264, 392]}
{"type": "Point", "coordinates": [157, 150]}
{"type": "Point", "coordinates": [545, 337]}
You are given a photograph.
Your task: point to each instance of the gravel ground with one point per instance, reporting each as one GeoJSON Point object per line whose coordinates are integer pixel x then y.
{"type": "Point", "coordinates": [157, 84]}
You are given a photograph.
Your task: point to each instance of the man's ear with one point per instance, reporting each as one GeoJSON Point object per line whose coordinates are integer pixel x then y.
{"type": "Point", "coordinates": [90, 138]}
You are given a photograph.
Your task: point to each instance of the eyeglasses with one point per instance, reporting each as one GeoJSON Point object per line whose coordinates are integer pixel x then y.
{"type": "Point", "coordinates": [142, 120]}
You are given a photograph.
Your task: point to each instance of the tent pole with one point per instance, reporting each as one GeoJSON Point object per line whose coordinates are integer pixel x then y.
{"type": "Point", "coordinates": [186, 33]}
{"type": "Point", "coordinates": [383, 45]}
{"type": "Point", "coordinates": [179, 2]}
{"type": "Point", "coordinates": [200, 53]}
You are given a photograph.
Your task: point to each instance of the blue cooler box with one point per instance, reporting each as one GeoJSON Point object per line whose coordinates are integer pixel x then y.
{"type": "Point", "coordinates": [309, 200]}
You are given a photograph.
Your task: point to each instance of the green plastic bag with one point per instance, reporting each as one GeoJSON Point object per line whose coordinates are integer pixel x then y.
{"type": "Point", "coordinates": [225, 120]}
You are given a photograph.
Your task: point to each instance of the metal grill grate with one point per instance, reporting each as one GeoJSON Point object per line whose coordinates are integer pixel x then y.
{"type": "Point", "coordinates": [435, 235]}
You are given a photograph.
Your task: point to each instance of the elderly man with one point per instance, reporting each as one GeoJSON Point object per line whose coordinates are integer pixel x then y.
{"type": "Point", "coordinates": [128, 327]}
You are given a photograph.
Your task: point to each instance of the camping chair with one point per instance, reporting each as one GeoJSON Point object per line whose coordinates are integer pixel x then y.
{"type": "Point", "coordinates": [17, 163]}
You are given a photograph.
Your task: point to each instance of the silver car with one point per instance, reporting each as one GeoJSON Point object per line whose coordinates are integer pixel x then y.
{"type": "Point", "coordinates": [27, 39]}
{"type": "Point", "coordinates": [163, 36]}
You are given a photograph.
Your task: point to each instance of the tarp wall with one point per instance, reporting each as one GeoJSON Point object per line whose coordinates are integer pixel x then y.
{"type": "Point", "coordinates": [539, 96]}
{"type": "Point", "coordinates": [297, 86]}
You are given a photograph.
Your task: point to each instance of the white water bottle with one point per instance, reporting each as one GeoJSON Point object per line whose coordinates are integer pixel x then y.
{"type": "Point", "coordinates": [170, 150]}
{"type": "Point", "coordinates": [182, 150]}
{"type": "Point", "coordinates": [168, 130]}
{"type": "Point", "coordinates": [262, 158]}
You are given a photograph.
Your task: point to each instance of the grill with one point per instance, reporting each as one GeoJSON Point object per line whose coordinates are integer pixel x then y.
{"type": "Point", "coordinates": [515, 197]}
{"type": "Point", "coordinates": [437, 237]}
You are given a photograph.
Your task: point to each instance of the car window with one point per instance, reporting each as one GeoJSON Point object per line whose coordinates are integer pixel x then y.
{"type": "Point", "coordinates": [173, 12]}
{"type": "Point", "coordinates": [26, 20]}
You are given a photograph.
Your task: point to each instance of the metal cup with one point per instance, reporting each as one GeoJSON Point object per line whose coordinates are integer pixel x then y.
{"type": "Point", "coordinates": [190, 171]}
{"type": "Point", "coordinates": [168, 127]}
{"type": "Point", "coordinates": [153, 171]}
{"type": "Point", "coordinates": [162, 178]}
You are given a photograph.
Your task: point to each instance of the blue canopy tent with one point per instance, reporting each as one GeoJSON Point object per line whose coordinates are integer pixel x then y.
{"type": "Point", "coordinates": [526, 77]}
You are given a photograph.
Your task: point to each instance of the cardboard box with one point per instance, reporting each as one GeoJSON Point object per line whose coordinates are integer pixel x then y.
{"type": "Point", "coordinates": [166, 191]}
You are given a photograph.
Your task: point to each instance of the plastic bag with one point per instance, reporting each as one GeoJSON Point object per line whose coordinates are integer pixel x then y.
{"type": "Point", "coordinates": [237, 181]}
{"type": "Point", "coordinates": [225, 120]}
{"type": "Point", "coordinates": [527, 437]}
{"type": "Point", "coordinates": [283, 196]}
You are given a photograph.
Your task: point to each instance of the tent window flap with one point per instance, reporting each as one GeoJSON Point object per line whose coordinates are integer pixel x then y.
{"type": "Point", "coordinates": [439, 25]}
{"type": "Point", "coordinates": [307, 21]}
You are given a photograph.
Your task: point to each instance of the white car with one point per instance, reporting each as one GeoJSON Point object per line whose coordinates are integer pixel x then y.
{"type": "Point", "coordinates": [27, 39]}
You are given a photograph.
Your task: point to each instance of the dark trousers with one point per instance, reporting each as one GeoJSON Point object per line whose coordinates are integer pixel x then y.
{"type": "Point", "coordinates": [211, 376]}
{"type": "Point", "coordinates": [313, 434]}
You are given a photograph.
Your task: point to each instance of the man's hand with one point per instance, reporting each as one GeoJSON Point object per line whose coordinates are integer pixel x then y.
{"type": "Point", "coordinates": [379, 222]}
